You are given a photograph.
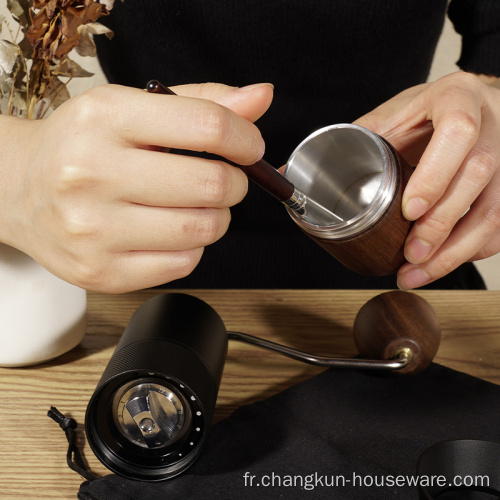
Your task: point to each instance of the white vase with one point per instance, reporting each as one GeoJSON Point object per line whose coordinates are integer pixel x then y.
{"type": "Point", "coordinates": [41, 316]}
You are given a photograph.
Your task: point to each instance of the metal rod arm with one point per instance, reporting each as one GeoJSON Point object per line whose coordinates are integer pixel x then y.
{"type": "Point", "coordinates": [327, 361]}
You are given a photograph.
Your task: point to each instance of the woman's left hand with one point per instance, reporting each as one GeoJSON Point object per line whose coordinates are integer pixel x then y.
{"type": "Point", "coordinates": [449, 129]}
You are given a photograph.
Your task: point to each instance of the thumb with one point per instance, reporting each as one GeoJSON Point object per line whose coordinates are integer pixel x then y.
{"type": "Point", "coordinates": [250, 102]}
{"type": "Point", "coordinates": [403, 121]}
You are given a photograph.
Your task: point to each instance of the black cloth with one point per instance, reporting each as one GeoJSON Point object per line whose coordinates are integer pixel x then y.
{"type": "Point", "coordinates": [330, 62]}
{"type": "Point", "coordinates": [341, 425]}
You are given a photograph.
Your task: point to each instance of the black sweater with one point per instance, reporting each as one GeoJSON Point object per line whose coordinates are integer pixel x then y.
{"type": "Point", "coordinates": [330, 62]}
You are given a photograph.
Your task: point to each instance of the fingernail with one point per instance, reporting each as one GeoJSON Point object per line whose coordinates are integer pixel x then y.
{"type": "Point", "coordinates": [417, 250]}
{"type": "Point", "coordinates": [401, 287]}
{"type": "Point", "coordinates": [254, 86]}
{"type": "Point", "coordinates": [413, 278]}
{"type": "Point", "coordinates": [415, 208]}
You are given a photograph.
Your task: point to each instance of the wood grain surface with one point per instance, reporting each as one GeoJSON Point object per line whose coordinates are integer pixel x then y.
{"type": "Point", "coordinates": [33, 448]}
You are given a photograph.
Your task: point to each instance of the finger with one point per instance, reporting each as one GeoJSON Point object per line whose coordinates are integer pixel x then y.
{"type": "Point", "coordinates": [138, 227]}
{"type": "Point", "coordinates": [174, 180]}
{"type": "Point", "coordinates": [403, 122]}
{"type": "Point", "coordinates": [137, 270]}
{"type": "Point", "coordinates": [139, 119]}
{"type": "Point", "coordinates": [250, 102]}
{"type": "Point", "coordinates": [456, 116]}
{"type": "Point", "coordinates": [199, 125]}
{"type": "Point", "coordinates": [477, 170]}
{"type": "Point", "coordinates": [487, 211]}
{"type": "Point", "coordinates": [471, 234]}
{"type": "Point", "coordinates": [491, 248]}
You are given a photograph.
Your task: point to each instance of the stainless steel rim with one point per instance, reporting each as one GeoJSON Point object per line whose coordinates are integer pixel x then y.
{"type": "Point", "coordinates": [373, 211]}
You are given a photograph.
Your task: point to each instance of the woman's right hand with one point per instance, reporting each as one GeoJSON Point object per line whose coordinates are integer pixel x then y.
{"type": "Point", "coordinates": [90, 195]}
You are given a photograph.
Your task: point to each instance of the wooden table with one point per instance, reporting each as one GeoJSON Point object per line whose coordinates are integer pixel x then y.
{"type": "Point", "coordinates": [33, 447]}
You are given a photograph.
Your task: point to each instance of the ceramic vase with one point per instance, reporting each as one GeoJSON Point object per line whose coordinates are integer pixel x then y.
{"type": "Point", "coordinates": [41, 316]}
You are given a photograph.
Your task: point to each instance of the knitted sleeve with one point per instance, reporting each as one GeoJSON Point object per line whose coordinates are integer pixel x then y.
{"type": "Point", "coordinates": [478, 21]}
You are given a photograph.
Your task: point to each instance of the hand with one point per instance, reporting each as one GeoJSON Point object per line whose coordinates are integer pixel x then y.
{"type": "Point", "coordinates": [450, 130]}
{"type": "Point", "coordinates": [89, 194]}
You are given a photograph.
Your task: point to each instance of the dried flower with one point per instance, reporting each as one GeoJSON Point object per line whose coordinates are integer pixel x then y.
{"type": "Point", "coordinates": [31, 70]}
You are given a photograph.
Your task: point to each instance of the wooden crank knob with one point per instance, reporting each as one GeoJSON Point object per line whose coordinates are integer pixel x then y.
{"type": "Point", "coordinates": [395, 322]}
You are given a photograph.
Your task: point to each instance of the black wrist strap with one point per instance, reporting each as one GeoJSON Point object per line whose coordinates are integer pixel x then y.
{"type": "Point", "coordinates": [73, 457]}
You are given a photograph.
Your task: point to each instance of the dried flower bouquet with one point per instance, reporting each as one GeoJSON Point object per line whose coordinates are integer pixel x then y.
{"type": "Point", "coordinates": [35, 66]}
